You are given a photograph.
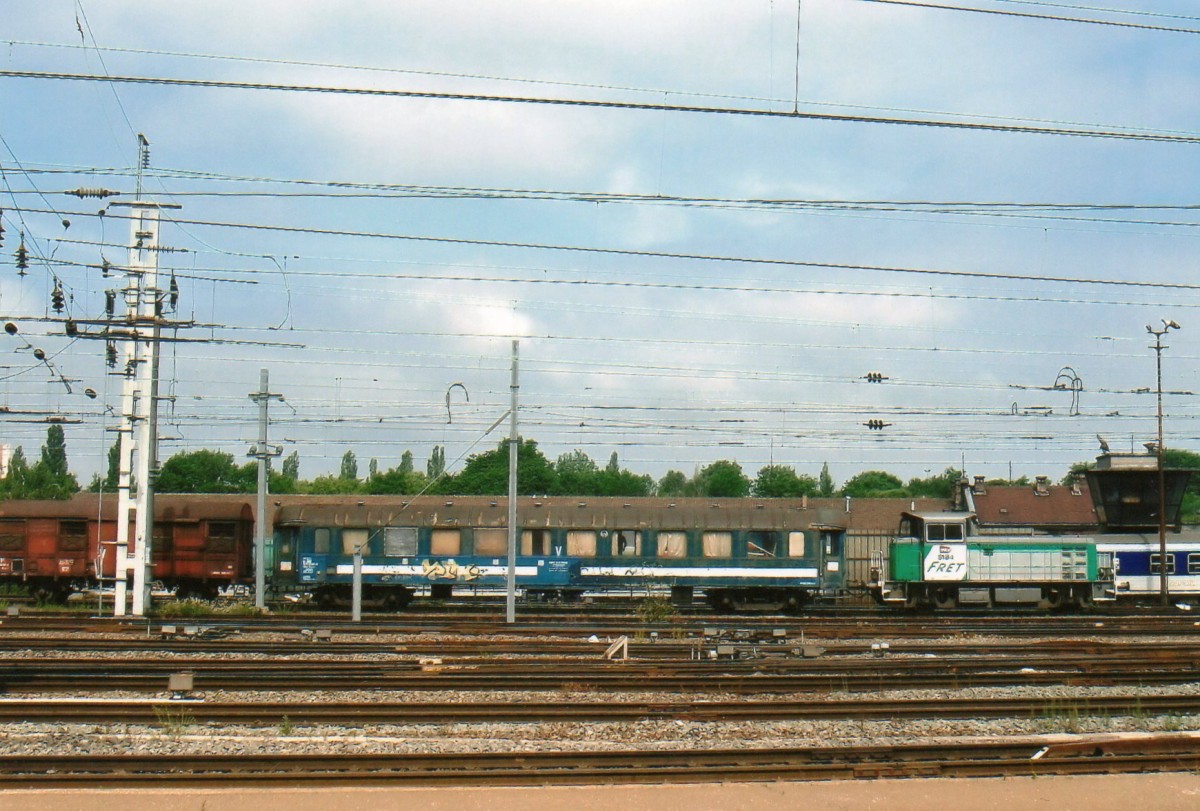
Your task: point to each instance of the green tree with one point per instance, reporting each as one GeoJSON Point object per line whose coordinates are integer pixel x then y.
{"type": "Point", "coordinates": [372, 468]}
{"type": "Point", "coordinates": [613, 465]}
{"type": "Point", "coordinates": [332, 486]}
{"type": "Point", "coordinates": [673, 485]}
{"type": "Point", "coordinates": [291, 466]}
{"type": "Point", "coordinates": [54, 452]}
{"type": "Point", "coordinates": [406, 462]}
{"type": "Point", "coordinates": [940, 486]}
{"type": "Point", "coordinates": [206, 471]}
{"type": "Point", "coordinates": [576, 474]}
{"type": "Point", "coordinates": [487, 473]}
{"type": "Point", "coordinates": [349, 466]}
{"type": "Point", "coordinates": [397, 481]}
{"type": "Point", "coordinates": [825, 488]}
{"type": "Point", "coordinates": [874, 484]}
{"type": "Point", "coordinates": [782, 481]}
{"type": "Point", "coordinates": [436, 465]}
{"type": "Point", "coordinates": [723, 479]}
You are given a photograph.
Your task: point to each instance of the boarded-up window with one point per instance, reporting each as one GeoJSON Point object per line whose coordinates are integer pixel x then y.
{"type": "Point", "coordinates": [445, 542]}
{"type": "Point", "coordinates": [626, 543]}
{"type": "Point", "coordinates": [581, 543]}
{"type": "Point", "coordinates": [399, 542]}
{"type": "Point", "coordinates": [221, 536]}
{"type": "Point", "coordinates": [12, 536]}
{"type": "Point", "coordinates": [355, 540]}
{"type": "Point", "coordinates": [72, 536]}
{"type": "Point", "coordinates": [718, 544]}
{"type": "Point", "coordinates": [535, 542]}
{"type": "Point", "coordinates": [796, 544]}
{"type": "Point", "coordinates": [491, 542]}
{"type": "Point", "coordinates": [672, 544]}
{"type": "Point", "coordinates": [321, 541]}
{"type": "Point", "coordinates": [163, 535]}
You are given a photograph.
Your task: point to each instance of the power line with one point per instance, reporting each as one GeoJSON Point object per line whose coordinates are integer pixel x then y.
{"type": "Point", "coordinates": [1127, 135]}
{"type": "Point", "coordinates": [627, 252]}
{"type": "Point", "coordinates": [1050, 17]}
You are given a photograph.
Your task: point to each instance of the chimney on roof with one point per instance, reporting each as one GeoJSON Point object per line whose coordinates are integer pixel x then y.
{"type": "Point", "coordinates": [804, 502]}
{"type": "Point", "coordinates": [1041, 486]}
{"type": "Point", "coordinates": [979, 488]}
{"type": "Point", "coordinates": [847, 503]}
{"type": "Point", "coordinates": [1077, 484]}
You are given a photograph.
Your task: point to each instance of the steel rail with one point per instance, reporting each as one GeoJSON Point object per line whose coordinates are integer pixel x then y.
{"type": "Point", "coordinates": [1168, 753]}
{"type": "Point", "coordinates": [151, 712]}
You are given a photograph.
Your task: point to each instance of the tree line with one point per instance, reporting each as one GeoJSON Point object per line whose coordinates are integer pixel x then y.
{"type": "Point", "coordinates": [486, 473]}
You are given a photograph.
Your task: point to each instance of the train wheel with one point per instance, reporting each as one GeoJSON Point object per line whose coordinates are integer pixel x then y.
{"type": "Point", "coordinates": [945, 599]}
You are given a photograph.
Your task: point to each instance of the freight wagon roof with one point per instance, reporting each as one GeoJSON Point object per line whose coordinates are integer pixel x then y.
{"type": "Point", "coordinates": [167, 507]}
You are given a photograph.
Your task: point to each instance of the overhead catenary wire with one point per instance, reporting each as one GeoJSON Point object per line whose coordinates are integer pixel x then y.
{"type": "Point", "coordinates": [1013, 128]}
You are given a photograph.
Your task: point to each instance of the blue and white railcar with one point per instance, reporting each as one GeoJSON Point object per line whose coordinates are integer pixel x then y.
{"type": "Point", "coordinates": [1139, 563]}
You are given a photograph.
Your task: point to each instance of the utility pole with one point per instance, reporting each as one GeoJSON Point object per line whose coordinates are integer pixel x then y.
{"type": "Point", "coordinates": [263, 453]}
{"type": "Point", "coordinates": [1163, 570]}
{"type": "Point", "coordinates": [139, 330]}
{"type": "Point", "coordinates": [513, 447]}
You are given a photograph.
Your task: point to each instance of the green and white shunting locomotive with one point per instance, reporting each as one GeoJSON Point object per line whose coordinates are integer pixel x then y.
{"type": "Point", "coordinates": [939, 560]}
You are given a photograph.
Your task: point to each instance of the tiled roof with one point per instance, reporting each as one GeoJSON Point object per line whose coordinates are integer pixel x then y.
{"type": "Point", "coordinates": [1061, 506]}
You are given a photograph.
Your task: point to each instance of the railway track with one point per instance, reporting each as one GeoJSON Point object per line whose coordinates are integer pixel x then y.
{"type": "Point", "coordinates": [755, 676]}
{"type": "Point", "coordinates": [357, 713]}
{"type": "Point", "coordinates": [1086, 756]}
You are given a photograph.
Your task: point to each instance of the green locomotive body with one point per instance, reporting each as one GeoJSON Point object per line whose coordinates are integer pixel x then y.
{"type": "Point", "coordinates": [938, 560]}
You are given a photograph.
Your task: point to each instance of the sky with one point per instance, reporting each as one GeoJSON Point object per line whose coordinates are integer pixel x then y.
{"type": "Point", "coordinates": [744, 210]}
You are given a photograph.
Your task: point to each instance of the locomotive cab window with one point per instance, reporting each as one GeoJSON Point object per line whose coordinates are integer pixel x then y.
{"type": "Point", "coordinates": [944, 532]}
{"type": "Point", "coordinates": [1156, 564]}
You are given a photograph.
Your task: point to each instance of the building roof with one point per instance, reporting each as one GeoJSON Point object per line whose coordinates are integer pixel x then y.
{"type": "Point", "coordinates": [1050, 506]}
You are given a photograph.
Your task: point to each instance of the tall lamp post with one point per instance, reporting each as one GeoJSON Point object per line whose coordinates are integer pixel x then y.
{"type": "Point", "coordinates": [1158, 347]}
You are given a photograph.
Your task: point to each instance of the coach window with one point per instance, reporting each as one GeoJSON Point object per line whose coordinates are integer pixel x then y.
{"type": "Point", "coordinates": [1194, 563]}
{"type": "Point", "coordinates": [795, 544]}
{"type": "Point", "coordinates": [718, 544]}
{"type": "Point", "coordinates": [399, 542]}
{"type": "Point", "coordinates": [760, 544]}
{"type": "Point", "coordinates": [672, 544]}
{"type": "Point", "coordinates": [72, 536]}
{"type": "Point", "coordinates": [321, 541]}
{"type": "Point", "coordinates": [491, 542]}
{"type": "Point", "coordinates": [626, 543]}
{"type": "Point", "coordinates": [445, 542]}
{"type": "Point", "coordinates": [581, 543]}
{"type": "Point", "coordinates": [1156, 564]}
{"type": "Point", "coordinates": [355, 540]}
